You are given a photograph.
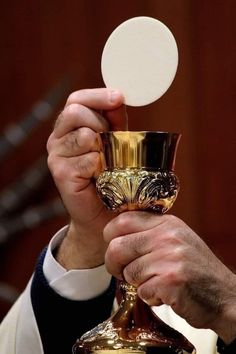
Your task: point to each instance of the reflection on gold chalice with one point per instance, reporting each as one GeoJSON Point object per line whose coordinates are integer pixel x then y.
{"type": "Point", "coordinates": [137, 174]}
{"type": "Point", "coordinates": [138, 170]}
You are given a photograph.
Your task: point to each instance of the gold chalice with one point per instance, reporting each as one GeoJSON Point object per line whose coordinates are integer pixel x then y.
{"type": "Point", "coordinates": [138, 174]}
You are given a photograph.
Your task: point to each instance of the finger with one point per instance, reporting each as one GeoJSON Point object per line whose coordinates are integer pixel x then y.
{"type": "Point", "coordinates": [125, 249]}
{"type": "Point", "coordinates": [167, 286]}
{"type": "Point", "coordinates": [98, 99]}
{"type": "Point", "coordinates": [131, 222]}
{"type": "Point", "coordinates": [75, 169]}
{"type": "Point", "coordinates": [76, 116]}
{"type": "Point", "coordinates": [117, 118]}
{"type": "Point", "coordinates": [140, 270]}
{"type": "Point", "coordinates": [75, 143]}
{"type": "Point", "coordinates": [149, 292]}
{"type": "Point", "coordinates": [85, 166]}
{"type": "Point", "coordinates": [146, 266]}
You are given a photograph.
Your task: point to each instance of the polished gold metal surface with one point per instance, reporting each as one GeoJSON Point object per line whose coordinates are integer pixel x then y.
{"type": "Point", "coordinates": [137, 170]}
{"type": "Point", "coordinates": [133, 329]}
{"type": "Point", "coordinates": [137, 189]}
{"type": "Point", "coordinates": [144, 150]}
{"type": "Point", "coordinates": [137, 174]}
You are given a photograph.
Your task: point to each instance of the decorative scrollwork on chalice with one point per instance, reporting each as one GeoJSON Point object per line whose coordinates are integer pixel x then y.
{"type": "Point", "coordinates": [135, 189]}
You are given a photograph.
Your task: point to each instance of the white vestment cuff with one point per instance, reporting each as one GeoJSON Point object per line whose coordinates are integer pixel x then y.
{"type": "Point", "coordinates": [75, 284]}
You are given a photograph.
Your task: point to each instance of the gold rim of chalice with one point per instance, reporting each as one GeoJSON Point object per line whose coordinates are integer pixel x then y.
{"type": "Point", "coordinates": [150, 150]}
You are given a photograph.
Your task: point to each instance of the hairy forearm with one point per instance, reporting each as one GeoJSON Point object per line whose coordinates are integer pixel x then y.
{"type": "Point", "coordinates": [225, 326]}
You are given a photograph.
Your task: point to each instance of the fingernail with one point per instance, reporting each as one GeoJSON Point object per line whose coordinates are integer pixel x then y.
{"type": "Point", "coordinates": [115, 96]}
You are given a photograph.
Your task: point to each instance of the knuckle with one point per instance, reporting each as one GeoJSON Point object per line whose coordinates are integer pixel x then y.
{"type": "Point", "coordinates": [93, 161]}
{"type": "Point", "coordinates": [170, 235]}
{"type": "Point", "coordinates": [115, 247]}
{"type": "Point", "coordinates": [133, 273]}
{"type": "Point", "coordinates": [122, 221]}
{"type": "Point", "coordinates": [74, 109]}
{"type": "Point", "coordinates": [138, 245]}
{"type": "Point", "coordinates": [178, 254]}
{"type": "Point", "coordinates": [147, 294]}
{"type": "Point", "coordinates": [72, 141]}
{"type": "Point", "coordinates": [86, 135]}
{"type": "Point", "coordinates": [71, 98]}
{"type": "Point", "coordinates": [174, 221]}
{"type": "Point", "coordinates": [173, 235]}
{"type": "Point", "coordinates": [76, 96]}
{"type": "Point", "coordinates": [58, 170]}
{"type": "Point", "coordinates": [171, 219]}
{"type": "Point", "coordinates": [80, 141]}
{"type": "Point", "coordinates": [114, 250]}
{"type": "Point", "coordinates": [175, 276]}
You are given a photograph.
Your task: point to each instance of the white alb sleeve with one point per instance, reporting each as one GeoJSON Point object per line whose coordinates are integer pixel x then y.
{"type": "Point", "coordinates": [74, 284]}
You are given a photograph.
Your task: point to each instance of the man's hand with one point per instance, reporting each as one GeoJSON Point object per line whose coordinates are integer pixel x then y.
{"type": "Point", "coordinates": [170, 264]}
{"type": "Point", "coordinates": [73, 159]}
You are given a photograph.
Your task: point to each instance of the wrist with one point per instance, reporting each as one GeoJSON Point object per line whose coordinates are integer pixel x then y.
{"type": "Point", "coordinates": [226, 329]}
{"type": "Point", "coordinates": [226, 322]}
{"type": "Point", "coordinates": [81, 249]}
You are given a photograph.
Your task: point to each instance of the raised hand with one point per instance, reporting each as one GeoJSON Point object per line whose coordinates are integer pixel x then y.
{"type": "Point", "coordinates": [73, 159]}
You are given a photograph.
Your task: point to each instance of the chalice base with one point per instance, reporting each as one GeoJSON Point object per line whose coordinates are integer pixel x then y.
{"type": "Point", "coordinates": [133, 329]}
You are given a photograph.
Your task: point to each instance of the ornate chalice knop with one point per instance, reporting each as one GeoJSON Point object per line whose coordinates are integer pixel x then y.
{"type": "Point", "coordinates": [137, 174]}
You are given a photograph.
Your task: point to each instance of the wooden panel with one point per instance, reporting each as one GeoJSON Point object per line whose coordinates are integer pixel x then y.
{"type": "Point", "coordinates": [214, 111]}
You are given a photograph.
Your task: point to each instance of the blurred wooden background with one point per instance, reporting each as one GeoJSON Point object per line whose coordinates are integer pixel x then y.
{"type": "Point", "coordinates": [57, 45]}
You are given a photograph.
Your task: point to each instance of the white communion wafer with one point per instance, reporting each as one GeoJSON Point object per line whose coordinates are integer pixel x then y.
{"type": "Point", "coordinates": [140, 59]}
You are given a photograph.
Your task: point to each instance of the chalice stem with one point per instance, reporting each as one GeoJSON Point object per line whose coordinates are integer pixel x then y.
{"type": "Point", "coordinates": [133, 328]}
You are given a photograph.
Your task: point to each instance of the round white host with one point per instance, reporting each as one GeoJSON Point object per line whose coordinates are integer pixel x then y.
{"type": "Point", "coordinates": [140, 59]}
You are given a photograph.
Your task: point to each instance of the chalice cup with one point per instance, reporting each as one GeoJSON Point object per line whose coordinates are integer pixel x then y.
{"type": "Point", "coordinates": [137, 174]}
